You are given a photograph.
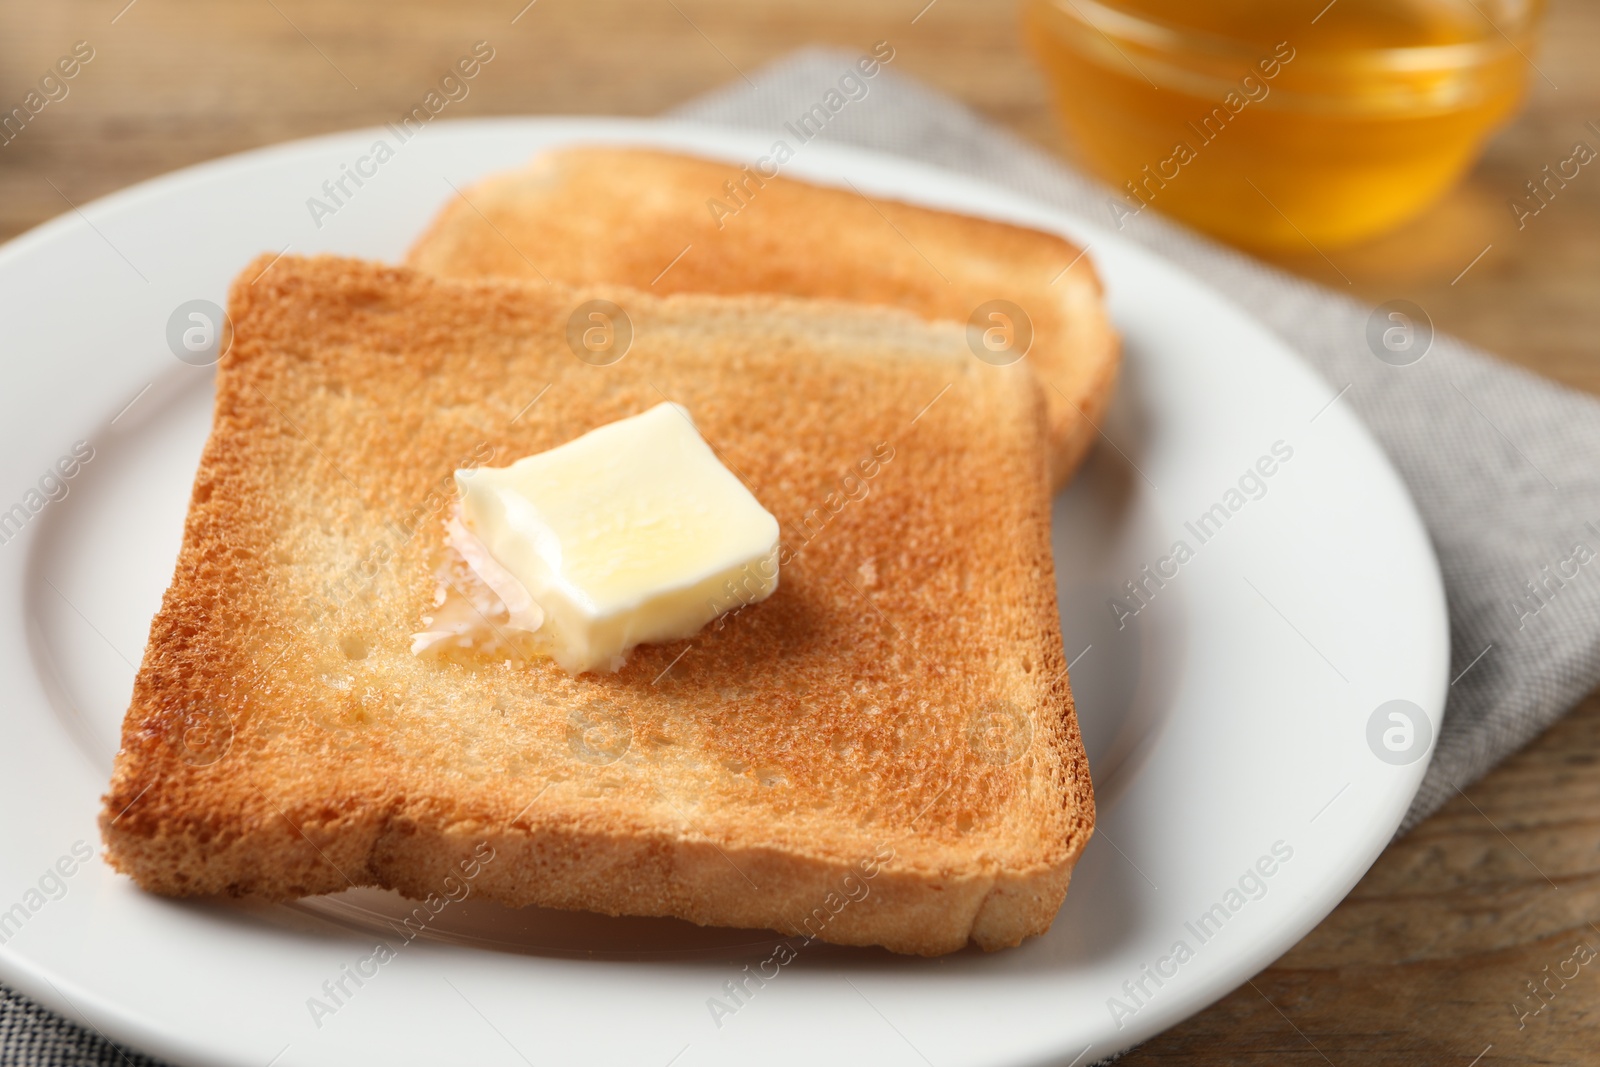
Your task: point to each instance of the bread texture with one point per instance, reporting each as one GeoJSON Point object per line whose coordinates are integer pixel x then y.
{"type": "Point", "coordinates": [884, 752]}
{"type": "Point", "coordinates": [669, 223]}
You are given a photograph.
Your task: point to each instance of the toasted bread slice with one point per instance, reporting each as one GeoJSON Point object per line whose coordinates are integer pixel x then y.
{"type": "Point", "coordinates": [882, 752]}
{"type": "Point", "coordinates": [669, 223]}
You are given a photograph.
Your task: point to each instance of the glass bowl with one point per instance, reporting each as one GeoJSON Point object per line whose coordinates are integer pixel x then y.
{"type": "Point", "coordinates": [1272, 124]}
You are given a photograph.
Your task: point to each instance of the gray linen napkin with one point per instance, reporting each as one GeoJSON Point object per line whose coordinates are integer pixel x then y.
{"type": "Point", "coordinates": [1500, 462]}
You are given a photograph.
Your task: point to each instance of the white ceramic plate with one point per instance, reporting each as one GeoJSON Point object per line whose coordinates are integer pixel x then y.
{"type": "Point", "coordinates": [1228, 721]}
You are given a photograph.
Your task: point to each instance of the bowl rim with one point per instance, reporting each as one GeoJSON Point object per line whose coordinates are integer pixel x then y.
{"type": "Point", "coordinates": [1173, 41]}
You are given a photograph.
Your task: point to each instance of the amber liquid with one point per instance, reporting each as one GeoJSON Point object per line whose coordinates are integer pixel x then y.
{"type": "Point", "coordinates": [1250, 120]}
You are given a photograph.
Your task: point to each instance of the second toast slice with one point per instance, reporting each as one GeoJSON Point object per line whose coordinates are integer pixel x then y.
{"type": "Point", "coordinates": [671, 223]}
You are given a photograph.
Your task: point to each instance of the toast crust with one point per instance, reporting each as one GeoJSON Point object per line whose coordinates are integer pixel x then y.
{"type": "Point", "coordinates": [901, 702]}
{"type": "Point", "coordinates": [610, 215]}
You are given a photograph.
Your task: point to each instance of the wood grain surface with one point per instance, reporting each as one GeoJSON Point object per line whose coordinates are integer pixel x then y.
{"type": "Point", "coordinates": [1431, 958]}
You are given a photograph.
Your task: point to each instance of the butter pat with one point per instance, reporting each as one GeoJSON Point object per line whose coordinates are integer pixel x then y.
{"type": "Point", "coordinates": [634, 532]}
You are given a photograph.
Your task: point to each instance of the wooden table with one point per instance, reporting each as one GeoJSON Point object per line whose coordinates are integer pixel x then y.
{"type": "Point", "coordinates": [1429, 959]}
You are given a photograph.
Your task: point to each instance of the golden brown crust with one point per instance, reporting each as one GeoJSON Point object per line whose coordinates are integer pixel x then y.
{"type": "Point", "coordinates": [901, 696]}
{"type": "Point", "coordinates": [610, 215]}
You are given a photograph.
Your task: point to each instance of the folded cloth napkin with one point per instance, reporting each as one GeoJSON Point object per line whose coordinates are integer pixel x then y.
{"type": "Point", "coordinates": [1500, 462]}
{"type": "Point", "coordinates": [31, 1036]}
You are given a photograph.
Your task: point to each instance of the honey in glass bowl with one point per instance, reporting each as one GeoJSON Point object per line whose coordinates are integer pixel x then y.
{"type": "Point", "coordinates": [1272, 124]}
